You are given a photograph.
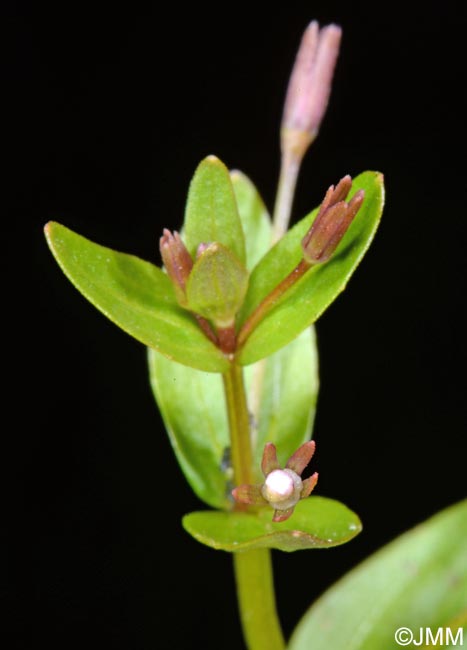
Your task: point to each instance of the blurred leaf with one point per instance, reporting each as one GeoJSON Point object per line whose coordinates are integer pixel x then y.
{"type": "Point", "coordinates": [315, 291]}
{"type": "Point", "coordinates": [417, 581]}
{"type": "Point", "coordinates": [289, 390]}
{"type": "Point", "coordinates": [135, 295]}
{"type": "Point", "coordinates": [255, 219]}
{"type": "Point", "coordinates": [211, 213]}
{"type": "Point", "coordinates": [316, 523]}
{"type": "Point", "coordinates": [193, 409]}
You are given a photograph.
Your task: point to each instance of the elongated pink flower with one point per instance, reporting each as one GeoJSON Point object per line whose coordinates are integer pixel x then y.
{"type": "Point", "coordinates": [310, 86]}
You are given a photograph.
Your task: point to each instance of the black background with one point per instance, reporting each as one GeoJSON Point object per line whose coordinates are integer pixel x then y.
{"type": "Point", "coordinates": [109, 110]}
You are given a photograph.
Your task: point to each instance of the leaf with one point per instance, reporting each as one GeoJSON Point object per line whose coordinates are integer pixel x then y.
{"type": "Point", "coordinates": [417, 581]}
{"type": "Point", "coordinates": [135, 295]}
{"type": "Point", "coordinates": [316, 523]}
{"type": "Point", "coordinates": [255, 219]}
{"type": "Point", "coordinates": [193, 409]}
{"type": "Point", "coordinates": [289, 390]}
{"type": "Point", "coordinates": [303, 303]}
{"type": "Point", "coordinates": [211, 213]}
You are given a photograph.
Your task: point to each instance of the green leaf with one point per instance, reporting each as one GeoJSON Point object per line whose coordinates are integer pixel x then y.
{"type": "Point", "coordinates": [193, 409]}
{"type": "Point", "coordinates": [303, 303]}
{"type": "Point", "coordinates": [417, 581]}
{"type": "Point", "coordinates": [255, 219]}
{"type": "Point", "coordinates": [288, 395]}
{"type": "Point", "coordinates": [211, 213]}
{"type": "Point", "coordinates": [135, 295]}
{"type": "Point", "coordinates": [316, 523]}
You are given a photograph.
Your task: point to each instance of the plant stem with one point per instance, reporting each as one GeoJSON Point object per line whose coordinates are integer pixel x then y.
{"type": "Point", "coordinates": [253, 569]}
{"type": "Point", "coordinates": [255, 592]}
{"type": "Point", "coordinates": [239, 425]}
{"type": "Point", "coordinates": [271, 299]}
{"type": "Point", "coordinates": [290, 166]}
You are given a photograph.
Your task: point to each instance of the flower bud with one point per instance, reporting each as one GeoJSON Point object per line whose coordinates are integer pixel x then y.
{"type": "Point", "coordinates": [331, 224]}
{"type": "Point", "coordinates": [177, 261]}
{"type": "Point", "coordinates": [282, 488]}
{"type": "Point", "coordinates": [309, 86]}
{"type": "Point", "coordinates": [217, 285]}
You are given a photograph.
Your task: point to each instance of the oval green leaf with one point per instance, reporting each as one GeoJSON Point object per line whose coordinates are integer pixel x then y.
{"type": "Point", "coordinates": [316, 523]}
{"type": "Point", "coordinates": [211, 213]}
{"type": "Point", "coordinates": [135, 295]}
{"type": "Point", "coordinates": [317, 289]}
{"type": "Point", "coordinates": [419, 581]}
{"type": "Point", "coordinates": [255, 219]}
{"type": "Point", "coordinates": [193, 409]}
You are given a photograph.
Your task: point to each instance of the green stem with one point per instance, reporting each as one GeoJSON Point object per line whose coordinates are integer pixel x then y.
{"type": "Point", "coordinates": [255, 592]}
{"type": "Point", "coordinates": [239, 425]}
{"type": "Point", "coordinates": [253, 569]}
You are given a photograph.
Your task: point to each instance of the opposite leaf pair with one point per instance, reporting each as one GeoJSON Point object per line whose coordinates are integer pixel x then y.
{"type": "Point", "coordinates": [141, 299]}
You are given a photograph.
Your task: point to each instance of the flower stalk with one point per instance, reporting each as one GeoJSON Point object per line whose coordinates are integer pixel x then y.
{"type": "Point", "coordinates": [319, 244]}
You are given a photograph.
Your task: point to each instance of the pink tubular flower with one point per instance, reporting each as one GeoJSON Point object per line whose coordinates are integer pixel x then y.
{"type": "Point", "coordinates": [310, 86]}
{"type": "Point", "coordinates": [282, 488]}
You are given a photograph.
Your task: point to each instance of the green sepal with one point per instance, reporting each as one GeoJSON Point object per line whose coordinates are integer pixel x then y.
{"type": "Point", "coordinates": [305, 301]}
{"type": "Point", "coordinates": [217, 285]}
{"type": "Point", "coordinates": [317, 522]}
{"type": "Point", "coordinates": [418, 581]}
{"type": "Point", "coordinates": [135, 295]}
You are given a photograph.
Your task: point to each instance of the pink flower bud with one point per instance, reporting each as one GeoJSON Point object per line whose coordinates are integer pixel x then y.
{"type": "Point", "coordinates": [331, 224]}
{"type": "Point", "coordinates": [310, 86]}
{"type": "Point", "coordinates": [177, 261]}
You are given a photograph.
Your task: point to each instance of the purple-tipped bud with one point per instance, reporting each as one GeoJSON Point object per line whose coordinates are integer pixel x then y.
{"type": "Point", "coordinates": [331, 224]}
{"type": "Point", "coordinates": [309, 86]}
{"type": "Point", "coordinates": [177, 261]}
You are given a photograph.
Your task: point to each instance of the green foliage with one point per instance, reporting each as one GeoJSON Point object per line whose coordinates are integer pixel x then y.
{"type": "Point", "coordinates": [211, 213]}
{"type": "Point", "coordinates": [316, 290]}
{"type": "Point", "coordinates": [198, 429]}
{"type": "Point", "coordinates": [255, 219]}
{"type": "Point", "coordinates": [417, 581]}
{"type": "Point", "coordinates": [316, 523]}
{"type": "Point", "coordinates": [282, 390]}
{"type": "Point", "coordinates": [192, 405]}
{"type": "Point", "coordinates": [287, 399]}
{"type": "Point", "coordinates": [135, 295]}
